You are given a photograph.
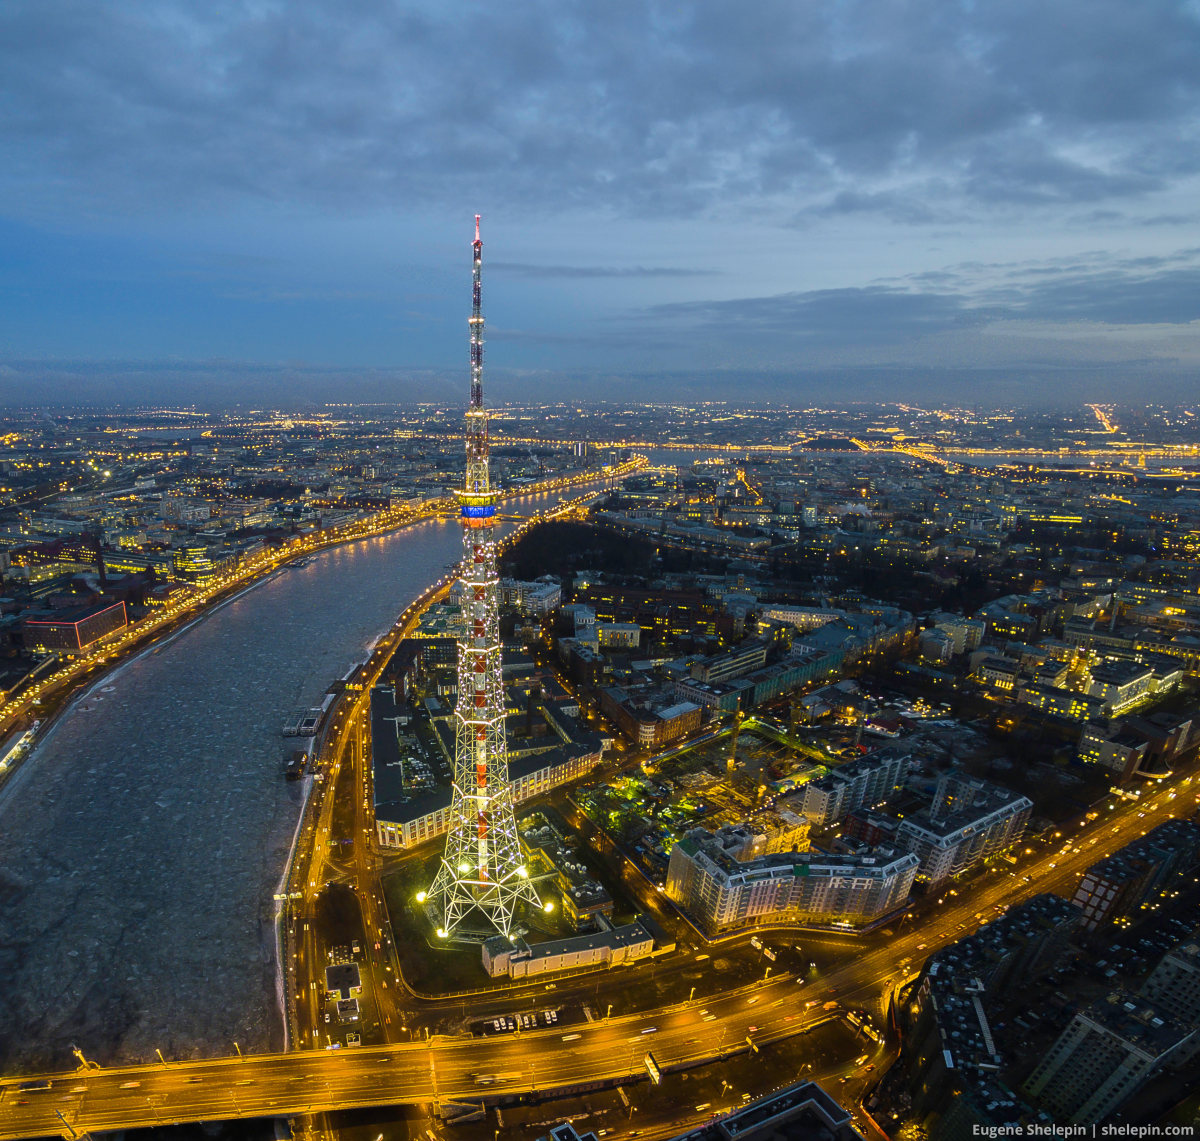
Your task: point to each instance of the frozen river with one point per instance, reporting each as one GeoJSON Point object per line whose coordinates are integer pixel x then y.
{"type": "Point", "coordinates": [142, 841]}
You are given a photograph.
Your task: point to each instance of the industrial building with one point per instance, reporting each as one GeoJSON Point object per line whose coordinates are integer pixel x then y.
{"type": "Point", "coordinates": [412, 787]}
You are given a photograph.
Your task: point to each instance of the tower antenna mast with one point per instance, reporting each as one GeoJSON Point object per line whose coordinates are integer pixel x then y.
{"type": "Point", "coordinates": [483, 879]}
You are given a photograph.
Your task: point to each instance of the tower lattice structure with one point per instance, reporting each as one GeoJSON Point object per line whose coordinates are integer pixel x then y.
{"type": "Point", "coordinates": [483, 880]}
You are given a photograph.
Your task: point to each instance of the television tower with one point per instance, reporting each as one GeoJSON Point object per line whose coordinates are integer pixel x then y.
{"type": "Point", "coordinates": [483, 869]}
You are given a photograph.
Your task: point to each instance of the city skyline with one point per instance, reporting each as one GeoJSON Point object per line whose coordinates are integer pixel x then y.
{"type": "Point", "coordinates": [852, 745]}
{"type": "Point", "coordinates": [932, 199]}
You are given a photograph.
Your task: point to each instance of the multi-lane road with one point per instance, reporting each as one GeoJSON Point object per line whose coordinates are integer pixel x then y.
{"type": "Point", "coordinates": [459, 1069]}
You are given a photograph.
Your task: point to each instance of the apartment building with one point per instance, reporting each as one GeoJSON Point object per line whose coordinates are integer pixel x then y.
{"type": "Point", "coordinates": [1174, 984]}
{"type": "Point", "coordinates": [970, 820]}
{"type": "Point", "coordinates": [721, 893]}
{"type": "Point", "coordinates": [864, 783]}
{"type": "Point", "coordinates": [1119, 884]}
{"type": "Point", "coordinates": [1106, 1055]}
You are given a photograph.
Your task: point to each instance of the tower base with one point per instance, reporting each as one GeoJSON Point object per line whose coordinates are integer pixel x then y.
{"type": "Point", "coordinates": [478, 911]}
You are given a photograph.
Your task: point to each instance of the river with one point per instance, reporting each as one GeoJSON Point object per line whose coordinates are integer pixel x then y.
{"type": "Point", "coordinates": [143, 839]}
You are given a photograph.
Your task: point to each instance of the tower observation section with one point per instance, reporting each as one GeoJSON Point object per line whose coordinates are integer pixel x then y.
{"type": "Point", "coordinates": [483, 881]}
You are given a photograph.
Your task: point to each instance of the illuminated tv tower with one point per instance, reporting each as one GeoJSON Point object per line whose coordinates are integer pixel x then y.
{"type": "Point", "coordinates": [483, 879]}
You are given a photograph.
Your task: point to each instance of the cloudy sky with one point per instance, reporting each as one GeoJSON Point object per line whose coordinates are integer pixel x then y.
{"type": "Point", "coordinates": [761, 199]}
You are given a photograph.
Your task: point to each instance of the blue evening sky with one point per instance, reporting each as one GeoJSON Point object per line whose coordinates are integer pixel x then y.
{"type": "Point", "coordinates": [771, 199]}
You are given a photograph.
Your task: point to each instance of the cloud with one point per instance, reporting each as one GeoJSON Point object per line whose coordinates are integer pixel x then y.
{"type": "Point", "coordinates": [1171, 297]}
{"type": "Point", "coordinates": [871, 181]}
{"type": "Point", "coordinates": [926, 204]}
{"type": "Point", "coordinates": [1094, 309]}
{"type": "Point", "coordinates": [641, 109]}
{"type": "Point", "coordinates": [876, 313]}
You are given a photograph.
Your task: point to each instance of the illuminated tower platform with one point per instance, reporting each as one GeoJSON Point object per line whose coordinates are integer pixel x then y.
{"type": "Point", "coordinates": [483, 881]}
